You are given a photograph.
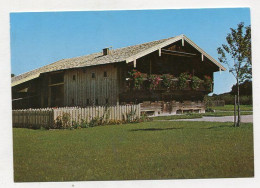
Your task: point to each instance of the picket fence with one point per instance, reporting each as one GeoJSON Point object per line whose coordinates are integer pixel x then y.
{"type": "Point", "coordinates": [45, 117]}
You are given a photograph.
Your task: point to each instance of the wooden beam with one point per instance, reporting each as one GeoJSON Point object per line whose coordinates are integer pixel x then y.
{"type": "Point", "coordinates": [202, 57]}
{"type": "Point", "coordinates": [178, 53]}
{"type": "Point", "coordinates": [182, 41]}
{"type": "Point", "coordinates": [135, 63]}
{"type": "Point", "coordinates": [160, 51]}
{"type": "Point", "coordinates": [152, 49]}
{"type": "Point", "coordinates": [57, 84]}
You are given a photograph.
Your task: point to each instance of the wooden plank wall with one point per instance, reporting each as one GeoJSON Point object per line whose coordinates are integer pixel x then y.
{"type": "Point", "coordinates": [36, 118]}
{"type": "Point", "coordinates": [84, 87]}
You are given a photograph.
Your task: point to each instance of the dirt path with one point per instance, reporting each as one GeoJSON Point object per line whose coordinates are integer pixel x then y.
{"type": "Point", "coordinates": [244, 119]}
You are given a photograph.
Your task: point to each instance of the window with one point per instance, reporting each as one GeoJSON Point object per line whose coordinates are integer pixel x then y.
{"type": "Point", "coordinates": [106, 100]}
{"type": "Point", "coordinates": [72, 101]}
{"type": "Point", "coordinates": [105, 74]}
{"type": "Point", "coordinates": [93, 75]}
{"type": "Point", "coordinates": [74, 77]}
{"type": "Point", "coordinates": [87, 101]}
{"type": "Point", "coordinates": [96, 102]}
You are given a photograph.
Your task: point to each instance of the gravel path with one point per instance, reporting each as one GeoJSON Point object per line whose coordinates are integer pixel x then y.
{"type": "Point", "coordinates": [244, 119]}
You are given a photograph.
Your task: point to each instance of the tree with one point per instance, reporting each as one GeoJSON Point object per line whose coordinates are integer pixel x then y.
{"type": "Point", "coordinates": [245, 89]}
{"type": "Point", "coordinates": [12, 75]}
{"type": "Point", "coordinates": [238, 51]}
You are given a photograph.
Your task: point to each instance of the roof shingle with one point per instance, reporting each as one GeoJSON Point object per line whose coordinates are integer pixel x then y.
{"type": "Point", "coordinates": [116, 55]}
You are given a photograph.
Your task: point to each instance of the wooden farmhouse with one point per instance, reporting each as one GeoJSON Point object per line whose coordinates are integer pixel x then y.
{"type": "Point", "coordinates": [169, 75]}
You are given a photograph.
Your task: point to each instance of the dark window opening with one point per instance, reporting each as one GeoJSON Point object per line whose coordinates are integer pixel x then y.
{"type": "Point", "coordinates": [106, 100]}
{"type": "Point", "coordinates": [93, 75]}
{"type": "Point", "coordinates": [74, 77]}
{"type": "Point", "coordinates": [87, 101]}
{"type": "Point", "coordinates": [96, 101]}
{"type": "Point", "coordinates": [57, 78]}
{"type": "Point", "coordinates": [72, 101]}
{"type": "Point", "coordinates": [105, 74]}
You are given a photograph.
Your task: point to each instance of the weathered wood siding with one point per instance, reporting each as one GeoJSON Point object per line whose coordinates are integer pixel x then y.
{"type": "Point", "coordinates": [80, 89]}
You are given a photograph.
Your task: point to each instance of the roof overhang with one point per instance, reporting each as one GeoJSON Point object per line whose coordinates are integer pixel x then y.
{"type": "Point", "coordinates": [133, 58]}
{"type": "Point", "coordinates": [171, 41]}
{"type": "Point", "coordinates": [14, 83]}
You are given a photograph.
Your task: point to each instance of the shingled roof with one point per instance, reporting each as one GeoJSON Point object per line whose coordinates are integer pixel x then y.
{"type": "Point", "coordinates": [116, 55]}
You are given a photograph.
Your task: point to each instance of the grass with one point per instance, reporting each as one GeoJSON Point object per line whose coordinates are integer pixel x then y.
{"type": "Point", "coordinates": [231, 108]}
{"type": "Point", "coordinates": [196, 115]}
{"type": "Point", "coordinates": [150, 150]}
{"type": "Point", "coordinates": [182, 116]}
{"type": "Point", "coordinates": [223, 113]}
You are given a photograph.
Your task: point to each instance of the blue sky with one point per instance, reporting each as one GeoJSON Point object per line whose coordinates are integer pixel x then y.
{"type": "Point", "coordinates": [38, 39]}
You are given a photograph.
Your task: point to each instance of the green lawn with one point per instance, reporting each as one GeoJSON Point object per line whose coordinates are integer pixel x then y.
{"type": "Point", "coordinates": [227, 113]}
{"type": "Point", "coordinates": [150, 150]}
{"type": "Point", "coordinates": [182, 116]}
{"type": "Point", "coordinates": [196, 115]}
{"type": "Point", "coordinates": [231, 108]}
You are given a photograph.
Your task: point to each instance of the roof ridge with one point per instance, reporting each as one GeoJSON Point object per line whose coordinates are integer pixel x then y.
{"type": "Point", "coordinates": [142, 43]}
{"type": "Point", "coordinates": [13, 78]}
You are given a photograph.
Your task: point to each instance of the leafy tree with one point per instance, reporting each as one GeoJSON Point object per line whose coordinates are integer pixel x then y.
{"type": "Point", "coordinates": [236, 54]}
{"type": "Point", "coordinates": [245, 89]}
{"type": "Point", "coordinates": [12, 75]}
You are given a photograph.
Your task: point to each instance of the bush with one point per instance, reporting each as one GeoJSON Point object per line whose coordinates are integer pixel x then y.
{"type": "Point", "coordinates": [144, 117]}
{"type": "Point", "coordinates": [195, 82]}
{"type": "Point", "coordinates": [209, 110]}
{"type": "Point", "coordinates": [154, 81]}
{"type": "Point", "coordinates": [167, 80]}
{"type": "Point", "coordinates": [137, 78]}
{"type": "Point", "coordinates": [129, 117]}
{"type": "Point", "coordinates": [95, 122]}
{"type": "Point", "coordinates": [62, 122]}
{"type": "Point", "coordinates": [182, 80]}
{"type": "Point", "coordinates": [230, 99]}
{"type": "Point", "coordinates": [207, 82]}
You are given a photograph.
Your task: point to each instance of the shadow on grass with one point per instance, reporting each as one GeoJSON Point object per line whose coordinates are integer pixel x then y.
{"type": "Point", "coordinates": [173, 128]}
{"type": "Point", "coordinates": [156, 129]}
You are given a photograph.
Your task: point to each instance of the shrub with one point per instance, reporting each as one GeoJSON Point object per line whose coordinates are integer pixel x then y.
{"type": "Point", "coordinates": [154, 81]}
{"type": "Point", "coordinates": [167, 80]}
{"type": "Point", "coordinates": [62, 122]}
{"type": "Point", "coordinates": [182, 80]}
{"type": "Point", "coordinates": [115, 122]}
{"type": "Point", "coordinates": [144, 117]}
{"type": "Point", "coordinates": [207, 82]}
{"type": "Point", "coordinates": [95, 122]}
{"type": "Point", "coordinates": [130, 116]}
{"type": "Point", "coordinates": [195, 82]}
{"type": "Point", "coordinates": [137, 78]}
{"type": "Point", "coordinates": [209, 110]}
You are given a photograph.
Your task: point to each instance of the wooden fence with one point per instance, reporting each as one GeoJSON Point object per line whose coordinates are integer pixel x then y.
{"type": "Point", "coordinates": [36, 118]}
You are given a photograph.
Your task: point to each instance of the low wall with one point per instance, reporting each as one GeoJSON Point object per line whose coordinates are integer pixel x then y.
{"type": "Point", "coordinates": [36, 118]}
